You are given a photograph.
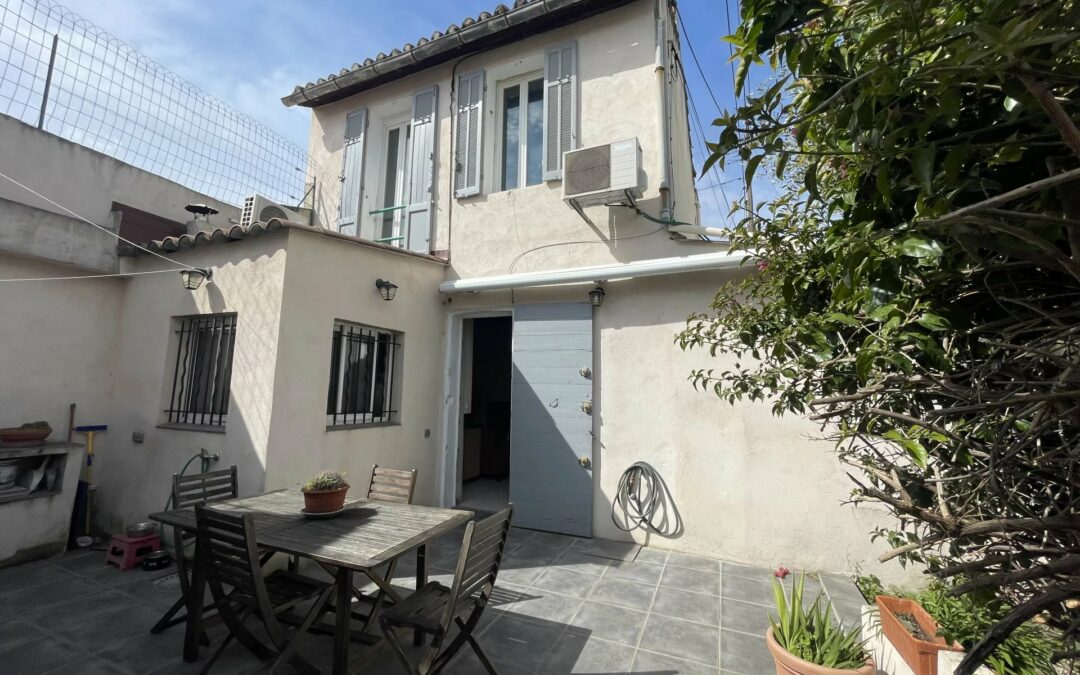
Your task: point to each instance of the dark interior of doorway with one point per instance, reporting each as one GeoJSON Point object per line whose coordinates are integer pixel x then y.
{"type": "Point", "coordinates": [485, 470]}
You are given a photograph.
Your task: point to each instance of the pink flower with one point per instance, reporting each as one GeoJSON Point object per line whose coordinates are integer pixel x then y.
{"type": "Point", "coordinates": [762, 265]}
{"type": "Point", "coordinates": [781, 572]}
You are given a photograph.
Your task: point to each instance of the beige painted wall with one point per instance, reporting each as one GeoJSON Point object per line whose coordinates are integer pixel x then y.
{"type": "Point", "coordinates": [135, 478]}
{"type": "Point", "coordinates": [57, 341]}
{"type": "Point", "coordinates": [750, 487]}
{"type": "Point", "coordinates": [486, 233]}
{"type": "Point", "coordinates": [328, 279]}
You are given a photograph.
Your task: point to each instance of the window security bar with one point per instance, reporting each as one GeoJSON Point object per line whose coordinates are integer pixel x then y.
{"type": "Point", "coordinates": [203, 370]}
{"type": "Point", "coordinates": [362, 367]}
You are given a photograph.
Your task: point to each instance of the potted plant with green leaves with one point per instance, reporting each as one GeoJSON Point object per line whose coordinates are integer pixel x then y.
{"type": "Point", "coordinates": [807, 641]}
{"type": "Point", "coordinates": [325, 492]}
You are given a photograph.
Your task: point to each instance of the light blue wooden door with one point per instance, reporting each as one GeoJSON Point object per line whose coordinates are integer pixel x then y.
{"type": "Point", "coordinates": [550, 433]}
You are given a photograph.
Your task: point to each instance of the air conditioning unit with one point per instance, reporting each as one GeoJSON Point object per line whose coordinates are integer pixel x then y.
{"type": "Point", "coordinates": [604, 174]}
{"type": "Point", "coordinates": [259, 209]}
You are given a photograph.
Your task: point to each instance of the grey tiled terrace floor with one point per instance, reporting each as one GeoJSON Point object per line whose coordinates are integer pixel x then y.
{"type": "Point", "coordinates": [556, 610]}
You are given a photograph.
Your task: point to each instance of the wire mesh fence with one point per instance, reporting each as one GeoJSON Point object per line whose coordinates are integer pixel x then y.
{"type": "Point", "coordinates": [69, 77]}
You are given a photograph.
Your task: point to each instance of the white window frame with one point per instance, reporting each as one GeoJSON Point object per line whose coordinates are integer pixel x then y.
{"type": "Point", "coordinates": [393, 341]}
{"type": "Point", "coordinates": [403, 124]}
{"type": "Point", "coordinates": [521, 81]}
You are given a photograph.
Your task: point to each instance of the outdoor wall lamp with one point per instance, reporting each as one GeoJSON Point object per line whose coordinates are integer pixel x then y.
{"type": "Point", "coordinates": [193, 277]}
{"type": "Point", "coordinates": [386, 289]}
{"type": "Point", "coordinates": [596, 296]}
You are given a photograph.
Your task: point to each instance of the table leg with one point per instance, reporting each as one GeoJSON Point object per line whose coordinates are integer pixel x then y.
{"type": "Point", "coordinates": [421, 581]}
{"type": "Point", "coordinates": [342, 620]}
{"type": "Point", "coordinates": [196, 592]}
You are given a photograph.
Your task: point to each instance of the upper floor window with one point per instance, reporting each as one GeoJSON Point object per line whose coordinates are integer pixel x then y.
{"type": "Point", "coordinates": [202, 370]}
{"type": "Point", "coordinates": [522, 138]}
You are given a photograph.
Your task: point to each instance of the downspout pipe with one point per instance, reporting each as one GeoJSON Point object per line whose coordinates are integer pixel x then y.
{"type": "Point", "coordinates": [662, 110]}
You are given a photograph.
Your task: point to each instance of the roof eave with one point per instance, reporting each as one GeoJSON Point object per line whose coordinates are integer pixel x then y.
{"type": "Point", "coordinates": [528, 19]}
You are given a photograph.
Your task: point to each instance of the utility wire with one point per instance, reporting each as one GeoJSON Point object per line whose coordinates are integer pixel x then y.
{"type": "Point", "coordinates": [103, 229]}
{"type": "Point", "coordinates": [697, 63]}
{"type": "Point", "coordinates": [94, 276]}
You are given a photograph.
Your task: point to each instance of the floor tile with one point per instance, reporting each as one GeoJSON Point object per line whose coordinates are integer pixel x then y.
{"type": "Point", "coordinates": [649, 662]}
{"type": "Point", "coordinates": [842, 588]}
{"type": "Point", "coordinates": [16, 632]}
{"type": "Point", "coordinates": [652, 555]}
{"type": "Point", "coordinates": [82, 609]}
{"type": "Point", "coordinates": [609, 622]}
{"type": "Point", "coordinates": [581, 562]}
{"type": "Point", "coordinates": [849, 614]}
{"type": "Point", "coordinates": [544, 605]}
{"type": "Point", "coordinates": [691, 580]}
{"type": "Point", "coordinates": [98, 633]}
{"type": "Point", "coordinates": [531, 553]}
{"type": "Point", "coordinates": [519, 574]}
{"type": "Point", "coordinates": [581, 653]}
{"type": "Point", "coordinates": [567, 582]}
{"type": "Point", "coordinates": [147, 653]}
{"type": "Point", "coordinates": [698, 607]}
{"type": "Point", "coordinates": [80, 562]}
{"type": "Point", "coordinates": [682, 639]}
{"type": "Point", "coordinates": [518, 642]}
{"type": "Point", "coordinates": [21, 577]}
{"type": "Point", "coordinates": [694, 562]}
{"type": "Point", "coordinates": [758, 591]}
{"type": "Point", "coordinates": [616, 550]}
{"type": "Point", "coordinates": [745, 616]}
{"type": "Point", "coordinates": [552, 540]}
{"type": "Point", "coordinates": [641, 572]}
{"type": "Point", "coordinates": [61, 590]}
{"type": "Point", "coordinates": [624, 593]}
{"type": "Point", "coordinates": [39, 656]}
{"type": "Point", "coordinates": [748, 571]}
{"type": "Point", "coordinates": [744, 654]}
{"type": "Point", "coordinates": [90, 665]}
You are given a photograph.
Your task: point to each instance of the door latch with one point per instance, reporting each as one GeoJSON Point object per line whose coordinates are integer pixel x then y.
{"type": "Point", "coordinates": [585, 462]}
{"type": "Point", "coordinates": [586, 407]}
{"type": "Point", "coordinates": [585, 372]}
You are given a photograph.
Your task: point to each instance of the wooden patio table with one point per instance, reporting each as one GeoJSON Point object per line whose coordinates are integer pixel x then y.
{"type": "Point", "coordinates": [365, 535]}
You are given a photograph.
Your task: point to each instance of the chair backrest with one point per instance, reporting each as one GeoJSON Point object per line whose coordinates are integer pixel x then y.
{"type": "Point", "coordinates": [391, 485]}
{"type": "Point", "coordinates": [228, 552]}
{"type": "Point", "coordinates": [478, 563]}
{"type": "Point", "coordinates": [204, 488]}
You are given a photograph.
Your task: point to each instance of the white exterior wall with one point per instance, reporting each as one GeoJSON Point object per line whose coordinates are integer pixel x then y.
{"type": "Point", "coordinates": [330, 279]}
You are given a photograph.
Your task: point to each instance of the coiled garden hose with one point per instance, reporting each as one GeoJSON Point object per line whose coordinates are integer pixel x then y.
{"type": "Point", "coordinates": [642, 501]}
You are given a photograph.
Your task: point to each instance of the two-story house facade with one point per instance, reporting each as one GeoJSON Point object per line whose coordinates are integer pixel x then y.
{"type": "Point", "coordinates": [445, 307]}
{"type": "Point", "coordinates": [454, 146]}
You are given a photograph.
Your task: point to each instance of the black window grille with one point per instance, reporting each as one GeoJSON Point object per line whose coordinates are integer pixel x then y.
{"type": "Point", "coordinates": [203, 369]}
{"type": "Point", "coordinates": [362, 369]}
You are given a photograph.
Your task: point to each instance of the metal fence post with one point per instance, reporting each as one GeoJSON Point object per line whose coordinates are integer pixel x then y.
{"type": "Point", "coordinates": [48, 81]}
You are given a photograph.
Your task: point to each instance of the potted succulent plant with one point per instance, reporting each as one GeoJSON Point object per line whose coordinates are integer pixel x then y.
{"type": "Point", "coordinates": [913, 632]}
{"type": "Point", "coordinates": [807, 641]}
{"type": "Point", "coordinates": [325, 492]}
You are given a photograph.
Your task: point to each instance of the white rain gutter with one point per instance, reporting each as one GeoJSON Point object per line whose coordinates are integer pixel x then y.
{"type": "Point", "coordinates": [587, 275]}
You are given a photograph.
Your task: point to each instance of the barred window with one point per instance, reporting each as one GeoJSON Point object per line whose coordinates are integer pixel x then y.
{"type": "Point", "coordinates": [363, 364]}
{"type": "Point", "coordinates": [203, 369]}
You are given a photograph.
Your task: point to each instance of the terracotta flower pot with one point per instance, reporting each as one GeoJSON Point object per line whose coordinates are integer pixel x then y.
{"type": "Point", "coordinates": [325, 501]}
{"type": "Point", "coordinates": [920, 655]}
{"type": "Point", "coordinates": [789, 664]}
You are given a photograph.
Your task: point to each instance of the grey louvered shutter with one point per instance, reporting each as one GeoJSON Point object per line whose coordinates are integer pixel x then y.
{"type": "Point", "coordinates": [421, 170]}
{"type": "Point", "coordinates": [469, 130]}
{"type": "Point", "coordinates": [352, 172]}
{"type": "Point", "coordinates": [560, 106]}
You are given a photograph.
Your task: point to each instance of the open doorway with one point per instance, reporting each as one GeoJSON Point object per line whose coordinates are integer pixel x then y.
{"type": "Point", "coordinates": [484, 440]}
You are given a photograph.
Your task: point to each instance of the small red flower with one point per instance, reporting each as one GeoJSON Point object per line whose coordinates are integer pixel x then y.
{"type": "Point", "coordinates": [781, 572]}
{"type": "Point", "coordinates": [762, 265]}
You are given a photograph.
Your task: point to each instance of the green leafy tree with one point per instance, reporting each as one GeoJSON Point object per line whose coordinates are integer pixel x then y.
{"type": "Point", "coordinates": [918, 277]}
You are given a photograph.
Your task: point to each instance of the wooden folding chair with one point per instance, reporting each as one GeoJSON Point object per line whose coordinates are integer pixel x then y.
{"type": "Point", "coordinates": [434, 608]}
{"type": "Point", "coordinates": [203, 488]}
{"type": "Point", "coordinates": [228, 556]}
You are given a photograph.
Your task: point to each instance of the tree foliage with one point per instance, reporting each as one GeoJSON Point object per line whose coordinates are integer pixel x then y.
{"type": "Point", "coordinates": [918, 283]}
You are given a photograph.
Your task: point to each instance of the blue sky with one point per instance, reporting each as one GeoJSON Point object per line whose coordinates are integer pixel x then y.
{"type": "Point", "coordinates": [250, 53]}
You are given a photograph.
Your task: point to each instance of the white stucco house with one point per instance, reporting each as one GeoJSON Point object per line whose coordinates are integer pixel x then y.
{"type": "Point", "coordinates": [443, 169]}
